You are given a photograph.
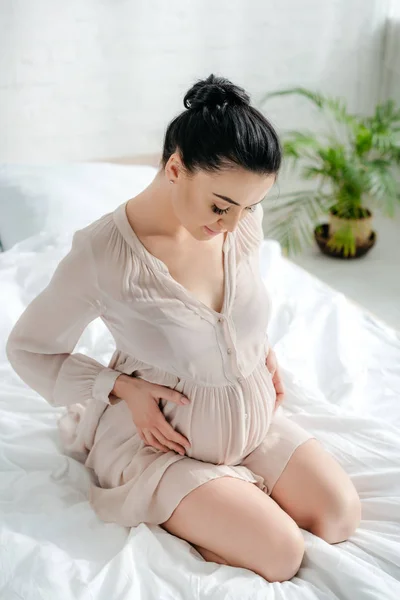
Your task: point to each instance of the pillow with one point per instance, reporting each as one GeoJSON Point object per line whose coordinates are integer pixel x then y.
{"type": "Point", "coordinates": [61, 198]}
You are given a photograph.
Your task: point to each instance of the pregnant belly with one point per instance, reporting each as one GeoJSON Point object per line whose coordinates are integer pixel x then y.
{"type": "Point", "coordinates": [224, 424]}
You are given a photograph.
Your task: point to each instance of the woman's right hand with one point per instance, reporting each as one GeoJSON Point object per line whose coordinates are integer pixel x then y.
{"type": "Point", "coordinates": [142, 398]}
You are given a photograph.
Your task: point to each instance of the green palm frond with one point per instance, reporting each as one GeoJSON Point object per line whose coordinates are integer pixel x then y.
{"type": "Point", "coordinates": [291, 219]}
{"type": "Point", "coordinates": [386, 114]}
{"type": "Point", "coordinates": [396, 154]}
{"type": "Point", "coordinates": [384, 189]}
{"type": "Point", "coordinates": [384, 129]}
{"type": "Point", "coordinates": [311, 172]}
{"type": "Point", "coordinates": [298, 147]}
{"type": "Point", "coordinates": [297, 144]}
{"type": "Point", "coordinates": [343, 241]}
{"type": "Point", "coordinates": [336, 106]}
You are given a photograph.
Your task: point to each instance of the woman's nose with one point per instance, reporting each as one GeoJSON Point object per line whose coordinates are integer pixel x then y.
{"type": "Point", "coordinates": [230, 223]}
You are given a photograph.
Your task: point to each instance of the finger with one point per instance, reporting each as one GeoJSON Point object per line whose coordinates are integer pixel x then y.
{"type": "Point", "coordinates": [166, 442]}
{"type": "Point", "coordinates": [271, 363]}
{"type": "Point", "coordinates": [277, 378]}
{"type": "Point", "coordinates": [151, 441]}
{"type": "Point", "coordinates": [278, 384]}
{"type": "Point", "coordinates": [156, 444]}
{"type": "Point", "coordinates": [171, 445]}
{"type": "Point", "coordinates": [279, 387]}
{"type": "Point", "coordinates": [171, 395]}
{"type": "Point", "coordinates": [169, 432]}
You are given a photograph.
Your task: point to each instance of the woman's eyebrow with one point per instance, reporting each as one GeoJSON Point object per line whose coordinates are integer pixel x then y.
{"type": "Point", "coordinates": [232, 201]}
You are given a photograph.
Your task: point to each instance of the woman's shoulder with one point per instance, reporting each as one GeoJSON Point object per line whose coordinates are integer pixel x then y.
{"type": "Point", "coordinates": [249, 232]}
{"type": "Point", "coordinates": [102, 243]}
{"type": "Point", "coordinates": [103, 236]}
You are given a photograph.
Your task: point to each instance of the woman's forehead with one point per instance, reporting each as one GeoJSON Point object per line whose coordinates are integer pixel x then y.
{"type": "Point", "coordinates": [238, 184]}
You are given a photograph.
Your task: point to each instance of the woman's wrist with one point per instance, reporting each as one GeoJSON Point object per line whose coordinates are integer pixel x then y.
{"type": "Point", "coordinates": [121, 386]}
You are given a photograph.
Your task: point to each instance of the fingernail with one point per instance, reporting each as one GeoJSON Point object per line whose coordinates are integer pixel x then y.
{"type": "Point", "coordinates": [185, 400]}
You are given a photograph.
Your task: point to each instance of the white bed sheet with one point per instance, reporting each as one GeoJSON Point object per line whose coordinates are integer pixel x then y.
{"type": "Point", "coordinates": [342, 372]}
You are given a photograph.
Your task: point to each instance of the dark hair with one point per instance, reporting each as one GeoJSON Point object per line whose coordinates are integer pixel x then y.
{"type": "Point", "coordinates": [220, 128]}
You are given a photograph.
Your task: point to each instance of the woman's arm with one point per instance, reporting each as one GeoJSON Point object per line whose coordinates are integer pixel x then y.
{"type": "Point", "coordinates": [41, 343]}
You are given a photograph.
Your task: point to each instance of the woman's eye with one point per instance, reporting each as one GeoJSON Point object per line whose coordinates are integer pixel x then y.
{"type": "Point", "coordinates": [221, 211]}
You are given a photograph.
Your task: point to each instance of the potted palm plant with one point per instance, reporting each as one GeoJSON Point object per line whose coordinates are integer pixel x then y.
{"type": "Point", "coordinates": [354, 168]}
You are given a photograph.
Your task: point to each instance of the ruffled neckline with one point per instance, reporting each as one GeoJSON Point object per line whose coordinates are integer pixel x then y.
{"type": "Point", "coordinates": [128, 233]}
{"type": "Point", "coordinates": [156, 264]}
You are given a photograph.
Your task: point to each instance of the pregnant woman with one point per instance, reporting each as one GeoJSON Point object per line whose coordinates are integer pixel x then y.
{"type": "Point", "coordinates": [184, 428]}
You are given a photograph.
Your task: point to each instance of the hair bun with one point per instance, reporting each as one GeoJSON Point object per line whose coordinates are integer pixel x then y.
{"type": "Point", "coordinates": [215, 92]}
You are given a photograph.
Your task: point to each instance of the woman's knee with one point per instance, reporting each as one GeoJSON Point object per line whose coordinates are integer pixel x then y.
{"type": "Point", "coordinates": [287, 557]}
{"type": "Point", "coordinates": [339, 519]}
{"type": "Point", "coordinates": [281, 566]}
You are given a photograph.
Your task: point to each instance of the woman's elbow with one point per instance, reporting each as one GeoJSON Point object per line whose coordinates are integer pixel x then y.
{"type": "Point", "coordinates": [17, 354]}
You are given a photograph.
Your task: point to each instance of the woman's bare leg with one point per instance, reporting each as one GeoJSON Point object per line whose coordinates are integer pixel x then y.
{"type": "Point", "coordinates": [210, 556]}
{"type": "Point", "coordinates": [239, 524]}
{"type": "Point", "coordinates": [318, 494]}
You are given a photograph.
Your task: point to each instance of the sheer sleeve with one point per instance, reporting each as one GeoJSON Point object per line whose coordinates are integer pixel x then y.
{"type": "Point", "coordinates": [41, 344]}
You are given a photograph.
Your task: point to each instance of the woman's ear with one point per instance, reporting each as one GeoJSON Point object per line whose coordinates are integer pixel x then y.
{"type": "Point", "coordinates": [174, 167]}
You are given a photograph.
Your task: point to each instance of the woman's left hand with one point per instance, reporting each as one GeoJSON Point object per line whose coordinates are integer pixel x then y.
{"type": "Point", "coordinates": [272, 366]}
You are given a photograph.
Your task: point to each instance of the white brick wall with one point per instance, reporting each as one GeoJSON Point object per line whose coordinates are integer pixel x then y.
{"type": "Point", "coordinates": [87, 79]}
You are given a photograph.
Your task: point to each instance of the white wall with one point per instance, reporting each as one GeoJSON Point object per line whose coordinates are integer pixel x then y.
{"type": "Point", "coordinates": [88, 79]}
{"type": "Point", "coordinates": [391, 58]}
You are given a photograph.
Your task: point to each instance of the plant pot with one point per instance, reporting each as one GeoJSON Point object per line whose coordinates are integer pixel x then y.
{"type": "Point", "coordinates": [322, 235]}
{"type": "Point", "coordinates": [361, 228]}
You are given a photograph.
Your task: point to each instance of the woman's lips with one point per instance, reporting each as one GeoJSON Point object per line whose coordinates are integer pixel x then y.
{"type": "Point", "coordinates": [210, 231]}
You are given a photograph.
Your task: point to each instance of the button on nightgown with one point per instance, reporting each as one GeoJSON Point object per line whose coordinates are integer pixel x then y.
{"type": "Point", "coordinates": [164, 335]}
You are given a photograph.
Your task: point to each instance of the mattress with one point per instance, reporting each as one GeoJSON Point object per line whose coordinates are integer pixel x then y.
{"type": "Point", "coordinates": [341, 367]}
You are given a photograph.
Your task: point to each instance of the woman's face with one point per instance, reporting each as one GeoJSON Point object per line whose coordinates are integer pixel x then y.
{"type": "Point", "coordinates": [209, 204]}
